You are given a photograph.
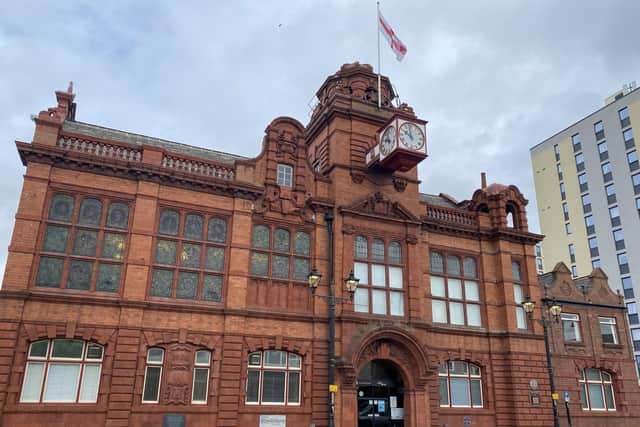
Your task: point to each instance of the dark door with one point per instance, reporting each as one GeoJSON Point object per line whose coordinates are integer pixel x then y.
{"type": "Point", "coordinates": [380, 396]}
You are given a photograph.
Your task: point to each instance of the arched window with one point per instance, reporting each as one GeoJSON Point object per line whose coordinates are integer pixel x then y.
{"type": "Point", "coordinates": [153, 375]}
{"type": "Point", "coordinates": [511, 212]}
{"type": "Point", "coordinates": [274, 378]}
{"type": "Point", "coordinates": [596, 390]}
{"type": "Point", "coordinates": [460, 385]}
{"type": "Point", "coordinates": [62, 370]}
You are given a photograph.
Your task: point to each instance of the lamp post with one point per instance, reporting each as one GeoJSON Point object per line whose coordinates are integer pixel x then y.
{"type": "Point", "coordinates": [351, 284]}
{"type": "Point", "coordinates": [554, 310]}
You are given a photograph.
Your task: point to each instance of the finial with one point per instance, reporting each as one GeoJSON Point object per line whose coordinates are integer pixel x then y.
{"type": "Point", "coordinates": [483, 180]}
{"type": "Point", "coordinates": [70, 88]}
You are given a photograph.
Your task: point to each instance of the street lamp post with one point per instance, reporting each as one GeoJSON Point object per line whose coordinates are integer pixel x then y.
{"type": "Point", "coordinates": [351, 284]}
{"type": "Point", "coordinates": [554, 310]}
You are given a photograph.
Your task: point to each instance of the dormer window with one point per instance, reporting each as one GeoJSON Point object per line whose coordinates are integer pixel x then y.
{"type": "Point", "coordinates": [285, 175]}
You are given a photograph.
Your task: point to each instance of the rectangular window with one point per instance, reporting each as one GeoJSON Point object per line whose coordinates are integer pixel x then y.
{"type": "Point", "coordinates": [635, 179]}
{"type": "Point", "coordinates": [623, 263]}
{"type": "Point", "coordinates": [285, 175]}
{"type": "Point", "coordinates": [598, 129]}
{"type": "Point", "coordinates": [590, 226]}
{"type": "Point", "coordinates": [379, 267]}
{"type": "Point", "coordinates": [586, 203]}
{"type": "Point", "coordinates": [629, 142]}
{"type": "Point", "coordinates": [201, 377]}
{"type": "Point", "coordinates": [574, 271]}
{"type": "Point", "coordinates": [279, 253]}
{"type": "Point", "coordinates": [152, 376]}
{"type": "Point", "coordinates": [582, 180]}
{"type": "Point", "coordinates": [572, 254]}
{"type": "Point", "coordinates": [567, 228]}
{"type": "Point", "coordinates": [556, 150]}
{"type": "Point", "coordinates": [84, 244]}
{"type": "Point", "coordinates": [455, 291]}
{"type": "Point", "coordinates": [563, 195]}
{"type": "Point", "coordinates": [595, 263]}
{"type": "Point", "coordinates": [575, 140]}
{"type": "Point", "coordinates": [273, 378]}
{"type": "Point", "coordinates": [632, 159]}
{"type": "Point", "coordinates": [521, 318]}
{"type": "Point", "coordinates": [614, 215]}
{"type": "Point", "coordinates": [189, 259]}
{"type": "Point", "coordinates": [608, 330]}
{"type": "Point", "coordinates": [627, 287]}
{"type": "Point", "coordinates": [571, 327]}
{"type": "Point", "coordinates": [625, 120]}
{"type": "Point", "coordinates": [565, 211]}
{"type": "Point", "coordinates": [611, 193]}
{"type": "Point", "coordinates": [607, 173]}
{"type": "Point", "coordinates": [593, 247]}
{"type": "Point", "coordinates": [635, 337]}
{"type": "Point", "coordinates": [579, 162]}
{"type": "Point", "coordinates": [618, 239]}
{"type": "Point", "coordinates": [603, 151]}
{"type": "Point", "coordinates": [559, 169]}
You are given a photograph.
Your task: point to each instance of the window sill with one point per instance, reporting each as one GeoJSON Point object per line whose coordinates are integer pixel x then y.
{"type": "Point", "coordinates": [612, 346]}
{"type": "Point", "coordinates": [447, 410]}
{"type": "Point", "coordinates": [576, 344]}
{"type": "Point", "coordinates": [272, 409]}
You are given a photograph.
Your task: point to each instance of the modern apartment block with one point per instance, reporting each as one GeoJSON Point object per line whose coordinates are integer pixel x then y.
{"type": "Point", "coordinates": [587, 180]}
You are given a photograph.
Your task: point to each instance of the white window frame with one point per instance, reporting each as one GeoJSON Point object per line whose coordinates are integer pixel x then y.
{"type": "Point", "coordinates": [287, 369]}
{"type": "Point", "coordinates": [584, 379]}
{"type": "Point", "coordinates": [285, 175]}
{"type": "Point", "coordinates": [469, 377]}
{"type": "Point", "coordinates": [575, 318]}
{"type": "Point", "coordinates": [204, 366]}
{"type": "Point", "coordinates": [154, 364]}
{"type": "Point", "coordinates": [611, 322]}
{"type": "Point", "coordinates": [48, 360]}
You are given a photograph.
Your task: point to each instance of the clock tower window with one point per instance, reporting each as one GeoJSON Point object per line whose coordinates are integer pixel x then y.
{"type": "Point", "coordinates": [285, 175]}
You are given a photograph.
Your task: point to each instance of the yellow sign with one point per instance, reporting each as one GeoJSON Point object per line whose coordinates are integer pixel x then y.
{"type": "Point", "coordinates": [554, 396]}
{"type": "Point", "coordinates": [333, 388]}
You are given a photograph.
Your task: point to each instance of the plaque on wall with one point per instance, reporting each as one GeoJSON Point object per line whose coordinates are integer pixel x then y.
{"type": "Point", "coordinates": [273, 420]}
{"type": "Point", "coordinates": [534, 398]}
{"type": "Point", "coordinates": [174, 420]}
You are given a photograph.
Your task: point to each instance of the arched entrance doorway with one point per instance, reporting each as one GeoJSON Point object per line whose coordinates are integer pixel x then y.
{"type": "Point", "coordinates": [380, 389]}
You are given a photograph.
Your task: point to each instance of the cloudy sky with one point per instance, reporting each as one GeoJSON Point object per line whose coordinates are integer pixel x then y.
{"type": "Point", "coordinates": [492, 77]}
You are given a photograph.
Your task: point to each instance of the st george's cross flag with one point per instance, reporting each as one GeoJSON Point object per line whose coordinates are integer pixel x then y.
{"type": "Point", "coordinates": [396, 45]}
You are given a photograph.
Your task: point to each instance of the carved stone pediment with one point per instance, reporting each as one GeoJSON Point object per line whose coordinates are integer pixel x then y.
{"type": "Point", "coordinates": [380, 205]}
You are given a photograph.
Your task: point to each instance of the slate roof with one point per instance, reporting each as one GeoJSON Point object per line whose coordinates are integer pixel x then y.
{"type": "Point", "coordinates": [136, 139]}
{"type": "Point", "coordinates": [437, 200]}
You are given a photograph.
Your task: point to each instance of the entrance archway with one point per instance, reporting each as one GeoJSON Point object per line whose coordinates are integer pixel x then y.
{"type": "Point", "coordinates": [380, 389]}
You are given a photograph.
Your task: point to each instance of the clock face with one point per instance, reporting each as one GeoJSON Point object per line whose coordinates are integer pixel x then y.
{"type": "Point", "coordinates": [411, 136]}
{"type": "Point", "coordinates": [388, 140]}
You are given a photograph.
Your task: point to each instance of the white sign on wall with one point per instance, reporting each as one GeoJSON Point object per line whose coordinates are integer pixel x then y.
{"type": "Point", "coordinates": [273, 420]}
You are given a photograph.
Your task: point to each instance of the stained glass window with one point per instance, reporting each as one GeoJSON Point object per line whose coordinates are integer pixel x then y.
{"type": "Point", "coordinates": [395, 253]}
{"type": "Point", "coordinates": [470, 267]}
{"type": "Point", "coordinates": [61, 208]}
{"type": "Point", "coordinates": [90, 212]}
{"type": "Point", "coordinates": [83, 244]}
{"type": "Point", "coordinates": [193, 226]}
{"type": "Point", "coordinates": [377, 250]}
{"type": "Point", "coordinates": [453, 265]}
{"type": "Point", "coordinates": [360, 247]}
{"type": "Point", "coordinates": [281, 240]}
{"type": "Point", "coordinates": [217, 231]}
{"type": "Point", "coordinates": [191, 255]}
{"type": "Point", "coordinates": [437, 263]}
{"type": "Point", "coordinates": [260, 237]}
{"type": "Point", "coordinates": [118, 215]}
{"type": "Point", "coordinates": [55, 239]}
{"type": "Point", "coordinates": [169, 222]}
{"type": "Point", "coordinates": [287, 261]}
{"type": "Point", "coordinates": [302, 243]}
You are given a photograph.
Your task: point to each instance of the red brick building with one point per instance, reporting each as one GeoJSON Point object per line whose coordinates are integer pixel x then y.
{"type": "Point", "coordinates": [152, 282]}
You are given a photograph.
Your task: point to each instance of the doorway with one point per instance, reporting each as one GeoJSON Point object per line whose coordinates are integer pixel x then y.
{"type": "Point", "coordinates": [380, 395]}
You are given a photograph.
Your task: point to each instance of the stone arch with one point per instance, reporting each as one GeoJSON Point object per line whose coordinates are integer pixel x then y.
{"type": "Point", "coordinates": [388, 343]}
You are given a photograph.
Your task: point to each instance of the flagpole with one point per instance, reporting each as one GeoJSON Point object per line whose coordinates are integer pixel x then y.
{"type": "Point", "coordinates": [378, 31]}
